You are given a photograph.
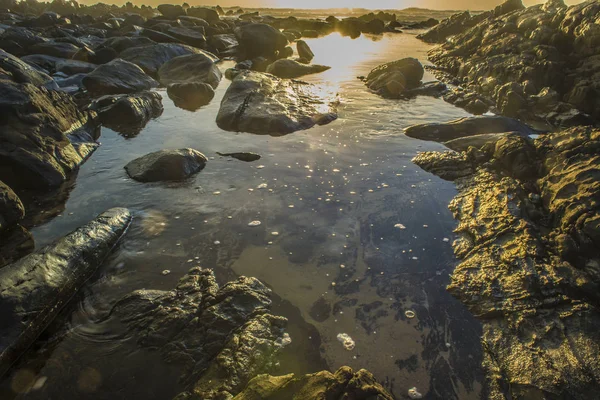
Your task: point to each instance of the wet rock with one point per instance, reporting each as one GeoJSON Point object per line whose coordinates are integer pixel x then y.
{"type": "Point", "coordinates": [260, 40]}
{"type": "Point", "coordinates": [427, 24]}
{"type": "Point", "coordinates": [264, 104]}
{"type": "Point", "coordinates": [222, 43]}
{"type": "Point", "coordinates": [11, 208]}
{"type": "Point", "coordinates": [198, 67]}
{"type": "Point", "coordinates": [394, 78]}
{"type": "Point", "coordinates": [477, 141]}
{"type": "Point", "coordinates": [122, 43]}
{"type": "Point", "coordinates": [188, 36]}
{"type": "Point", "coordinates": [128, 114]}
{"type": "Point", "coordinates": [320, 311]}
{"type": "Point", "coordinates": [117, 77]}
{"type": "Point", "coordinates": [72, 67]}
{"type": "Point", "coordinates": [171, 11]}
{"type": "Point", "coordinates": [246, 156]}
{"type": "Point", "coordinates": [293, 69]}
{"type": "Point", "coordinates": [15, 242]}
{"type": "Point", "coordinates": [55, 49]}
{"type": "Point", "coordinates": [16, 70]}
{"type": "Point", "coordinates": [166, 165]}
{"type": "Point", "coordinates": [343, 384]}
{"type": "Point", "coordinates": [17, 40]}
{"type": "Point", "coordinates": [528, 235]}
{"type": "Point", "coordinates": [207, 14]}
{"type": "Point", "coordinates": [34, 289]}
{"type": "Point", "coordinates": [190, 95]}
{"type": "Point", "coordinates": [41, 135]}
{"type": "Point", "coordinates": [222, 336]}
{"type": "Point", "coordinates": [151, 58]}
{"type": "Point", "coordinates": [304, 50]}
{"type": "Point", "coordinates": [464, 127]}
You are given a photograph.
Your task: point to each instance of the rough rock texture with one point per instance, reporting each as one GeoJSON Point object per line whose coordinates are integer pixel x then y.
{"type": "Point", "coordinates": [343, 384]}
{"type": "Point", "coordinates": [15, 242]}
{"type": "Point", "coordinates": [199, 67]}
{"type": "Point", "coordinates": [222, 336]}
{"type": "Point", "coordinates": [190, 95]}
{"type": "Point", "coordinates": [117, 77]}
{"type": "Point", "coordinates": [34, 289]}
{"type": "Point", "coordinates": [395, 78]}
{"type": "Point", "coordinates": [151, 58]}
{"type": "Point", "coordinates": [14, 69]}
{"type": "Point", "coordinates": [259, 40]}
{"type": "Point", "coordinates": [43, 135]}
{"type": "Point", "coordinates": [529, 230]}
{"type": "Point", "coordinates": [293, 69]}
{"type": "Point", "coordinates": [11, 208]}
{"type": "Point", "coordinates": [171, 11]}
{"type": "Point", "coordinates": [166, 165]}
{"type": "Point", "coordinates": [128, 114]}
{"type": "Point", "coordinates": [538, 63]}
{"type": "Point", "coordinates": [264, 104]}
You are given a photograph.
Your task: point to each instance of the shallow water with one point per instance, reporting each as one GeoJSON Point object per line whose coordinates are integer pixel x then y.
{"type": "Point", "coordinates": [348, 207]}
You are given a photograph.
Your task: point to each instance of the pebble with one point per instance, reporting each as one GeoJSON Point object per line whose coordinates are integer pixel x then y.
{"type": "Point", "coordinates": [399, 226]}
{"type": "Point", "coordinates": [413, 393]}
{"type": "Point", "coordinates": [346, 341]}
{"type": "Point", "coordinates": [166, 272]}
{"type": "Point", "coordinates": [254, 223]}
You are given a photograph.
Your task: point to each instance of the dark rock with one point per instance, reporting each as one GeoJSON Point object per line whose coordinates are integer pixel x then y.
{"type": "Point", "coordinates": [429, 23]}
{"type": "Point", "coordinates": [320, 311]}
{"type": "Point", "coordinates": [246, 156]}
{"type": "Point", "coordinates": [304, 50]}
{"type": "Point", "coordinates": [260, 40]}
{"type": "Point", "coordinates": [477, 141]}
{"type": "Point", "coordinates": [394, 78]}
{"type": "Point", "coordinates": [198, 67]}
{"type": "Point", "coordinates": [528, 236]}
{"type": "Point", "coordinates": [190, 95]}
{"type": "Point", "coordinates": [55, 49]}
{"type": "Point", "coordinates": [116, 77]}
{"type": "Point", "coordinates": [286, 52]}
{"type": "Point", "coordinates": [15, 243]}
{"type": "Point", "coordinates": [344, 384]}
{"type": "Point", "coordinates": [151, 58]}
{"type": "Point", "coordinates": [128, 114]}
{"type": "Point", "coordinates": [188, 36]}
{"type": "Point", "coordinates": [17, 40]}
{"type": "Point", "coordinates": [166, 165]}
{"type": "Point", "coordinates": [443, 132]}
{"type": "Point", "coordinates": [34, 289]}
{"type": "Point", "coordinates": [72, 67]}
{"type": "Point", "coordinates": [285, 68]}
{"type": "Point", "coordinates": [222, 43]}
{"type": "Point", "coordinates": [122, 43]}
{"type": "Point", "coordinates": [16, 70]}
{"type": "Point", "coordinates": [207, 14]}
{"type": "Point", "coordinates": [171, 11]}
{"type": "Point", "coordinates": [263, 104]}
{"type": "Point", "coordinates": [133, 19]}
{"type": "Point", "coordinates": [11, 208]}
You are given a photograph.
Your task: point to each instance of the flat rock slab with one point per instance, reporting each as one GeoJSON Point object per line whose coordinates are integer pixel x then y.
{"type": "Point", "coordinates": [166, 165]}
{"type": "Point", "coordinates": [34, 289]}
{"type": "Point", "coordinates": [264, 104]}
{"type": "Point", "coordinates": [117, 77]}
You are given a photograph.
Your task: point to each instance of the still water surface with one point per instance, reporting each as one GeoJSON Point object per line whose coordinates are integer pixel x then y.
{"type": "Point", "coordinates": [340, 203]}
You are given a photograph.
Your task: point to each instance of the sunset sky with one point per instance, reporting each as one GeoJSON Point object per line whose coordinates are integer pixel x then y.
{"type": "Point", "coordinates": [372, 4]}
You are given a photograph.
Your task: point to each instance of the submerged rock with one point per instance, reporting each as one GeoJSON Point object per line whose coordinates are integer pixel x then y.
{"type": "Point", "coordinates": [395, 78]}
{"type": "Point", "coordinates": [199, 67]}
{"type": "Point", "coordinates": [248, 157]}
{"type": "Point", "coordinates": [190, 95]}
{"type": "Point", "coordinates": [264, 104]}
{"type": "Point", "coordinates": [128, 114]}
{"type": "Point", "coordinates": [166, 165]}
{"type": "Point", "coordinates": [293, 69]}
{"type": "Point", "coordinates": [34, 289]}
{"type": "Point", "coordinates": [343, 384]}
{"type": "Point", "coordinates": [529, 230]}
{"type": "Point", "coordinates": [117, 77]}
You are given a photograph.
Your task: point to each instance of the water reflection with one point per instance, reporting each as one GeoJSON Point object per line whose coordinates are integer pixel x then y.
{"type": "Point", "coordinates": [336, 195]}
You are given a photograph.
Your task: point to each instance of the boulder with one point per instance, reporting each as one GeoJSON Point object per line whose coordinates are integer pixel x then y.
{"type": "Point", "coordinates": [260, 40]}
{"type": "Point", "coordinates": [198, 67]}
{"type": "Point", "coordinates": [116, 77]}
{"type": "Point", "coordinates": [187, 36]}
{"type": "Point", "coordinates": [208, 14]}
{"type": "Point", "coordinates": [72, 67]}
{"type": "Point", "coordinates": [17, 40]}
{"type": "Point", "coordinates": [171, 11]}
{"type": "Point", "coordinates": [34, 289]}
{"type": "Point", "coordinates": [55, 49]}
{"type": "Point", "coordinates": [18, 71]}
{"type": "Point", "coordinates": [122, 43]}
{"type": "Point", "coordinates": [151, 58]}
{"type": "Point", "coordinates": [264, 104]}
{"type": "Point", "coordinates": [190, 95]}
{"type": "Point", "coordinates": [394, 78]}
{"type": "Point", "coordinates": [304, 50]}
{"type": "Point", "coordinates": [285, 68]}
{"type": "Point", "coordinates": [128, 114]}
{"type": "Point", "coordinates": [166, 165]}
{"type": "Point", "coordinates": [11, 208]}
{"type": "Point", "coordinates": [222, 43]}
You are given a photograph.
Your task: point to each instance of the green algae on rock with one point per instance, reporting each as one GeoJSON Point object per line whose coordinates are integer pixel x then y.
{"type": "Point", "coordinates": [528, 214]}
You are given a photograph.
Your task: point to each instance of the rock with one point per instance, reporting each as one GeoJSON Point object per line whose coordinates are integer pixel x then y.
{"type": "Point", "coordinates": [528, 232]}
{"type": "Point", "coordinates": [221, 336]}
{"type": "Point", "coordinates": [344, 384]}
{"type": "Point", "coordinates": [55, 49]}
{"type": "Point", "coordinates": [304, 50]}
{"type": "Point", "coordinates": [429, 23]}
{"type": "Point", "coordinates": [207, 14]}
{"type": "Point", "coordinates": [190, 95]}
{"type": "Point", "coordinates": [11, 208]}
{"type": "Point", "coordinates": [73, 67]}
{"type": "Point", "coordinates": [166, 165]}
{"type": "Point", "coordinates": [40, 135]}
{"type": "Point", "coordinates": [188, 36]}
{"type": "Point", "coordinates": [116, 77]}
{"type": "Point", "coordinates": [17, 40]}
{"type": "Point", "coordinates": [477, 141]}
{"type": "Point", "coordinates": [151, 58]}
{"type": "Point", "coordinates": [16, 70]}
{"type": "Point", "coordinates": [247, 156]}
{"type": "Point", "coordinates": [285, 68]}
{"type": "Point", "coordinates": [34, 289]}
{"type": "Point", "coordinates": [191, 68]}
{"type": "Point", "coordinates": [394, 78]}
{"type": "Point", "coordinates": [260, 40]}
{"type": "Point", "coordinates": [122, 43]}
{"type": "Point", "coordinates": [15, 243]}
{"type": "Point", "coordinates": [223, 42]}
{"type": "Point", "coordinates": [128, 114]}
{"type": "Point", "coordinates": [263, 104]}
{"type": "Point", "coordinates": [171, 11]}
{"type": "Point", "coordinates": [464, 127]}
